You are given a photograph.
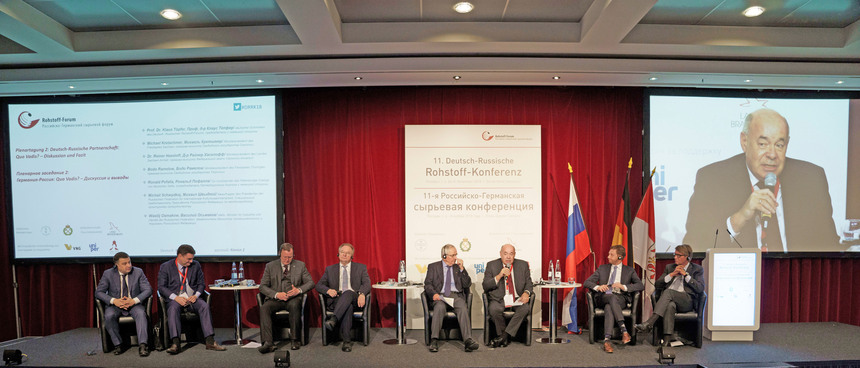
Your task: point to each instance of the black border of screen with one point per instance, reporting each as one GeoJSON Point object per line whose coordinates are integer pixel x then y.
{"type": "Point", "coordinates": [148, 96]}
{"type": "Point", "coordinates": [738, 93]}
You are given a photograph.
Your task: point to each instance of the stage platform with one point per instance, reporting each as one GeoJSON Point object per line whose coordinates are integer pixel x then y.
{"type": "Point", "coordinates": [775, 345]}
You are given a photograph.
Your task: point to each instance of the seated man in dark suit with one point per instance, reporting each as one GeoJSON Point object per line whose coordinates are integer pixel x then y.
{"type": "Point", "coordinates": [511, 278]}
{"type": "Point", "coordinates": [448, 279]}
{"type": "Point", "coordinates": [683, 282]}
{"type": "Point", "coordinates": [122, 288]}
{"type": "Point", "coordinates": [347, 284]}
{"type": "Point", "coordinates": [182, 281]}
{"type": "Point", "coordinates": [616, 282]}
{"type": "Point", "coordinates": [283, 283]}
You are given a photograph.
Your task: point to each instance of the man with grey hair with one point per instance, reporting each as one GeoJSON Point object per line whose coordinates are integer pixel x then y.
{"type": "Point", "coordinates": [346, 285]}
{"type": "Point", "coordinates": [448, 279]}
{"type": "Point", "coordinates": [792, 211]}
{"type": "Point", "coordinates": [284, 282]}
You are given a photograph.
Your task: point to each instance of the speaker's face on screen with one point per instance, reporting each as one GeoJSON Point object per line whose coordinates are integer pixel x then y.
{"type": "Point", "coordinates": [765, 144]}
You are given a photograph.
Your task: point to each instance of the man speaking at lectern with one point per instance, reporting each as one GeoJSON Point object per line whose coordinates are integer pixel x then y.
{"type": "Point", "coordinates": [761, 197]}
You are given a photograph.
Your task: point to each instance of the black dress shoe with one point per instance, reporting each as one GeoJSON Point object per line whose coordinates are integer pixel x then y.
{"type": "Point", "coordinates": [434, 345]}
{"type": "Point", "coordinates": [330, 323]}
{"type": "Point", "coordinates": [643, 327]}
{"type": "Point", "coordinates": [471, 345]}
{"type": "Point", "coordinates": [347, 346]}
{"type": "Point", "coordinates": [296, 345]}
{"type": "Point", "coordinates": [267, 347]}
{"type": "Point", "coordinates": [500, 342]}
{"type": "Point", "coordinates": [119, 349]}
{"type": "Point", "coordinates": [173, 349]}
{"type": "Point", "coordinates": [143, 350]}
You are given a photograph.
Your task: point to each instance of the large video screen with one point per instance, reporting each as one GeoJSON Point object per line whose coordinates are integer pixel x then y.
{"type": "Point", "coordinates": [744, 172]}
{"type": "Point", "coordinates": [91, 177]}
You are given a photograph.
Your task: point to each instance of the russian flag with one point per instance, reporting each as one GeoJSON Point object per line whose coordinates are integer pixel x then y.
{"type": "Point", "coordinates": [578, 248]}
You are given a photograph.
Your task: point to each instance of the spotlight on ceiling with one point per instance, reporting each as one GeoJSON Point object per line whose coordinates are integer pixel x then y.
{"type": "Point", "coordinates": [457, 77]}
{"type": "Point", "coordinates": [463, 7]}
{"type": "Point", "coordinates": [555, 77]}
{"type": "Point", "coordinates": [747, 80]}
{"type": "Point", "coordinates": [171, 14]}
{"type": "Point", "coordinates": [840, 82]}
{"type": "Point", "coordinates": [358, 78]}
{"type": "Point", "coordinates": [652, 78]}
{"type": "Point", "coordinates": [260, 81]}
{"type": "Point", "coordinates": [165, 84]}
{"type": "Point", "coordinates": [71, 87]}
{"type": "Point", "coordinates": [753, 11]}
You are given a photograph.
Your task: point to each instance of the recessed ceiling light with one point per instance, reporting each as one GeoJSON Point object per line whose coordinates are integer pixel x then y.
{"type": "Point", "coordinates": [555, 77]}
{"type": "Point", "coordinates": [652, 78]}
{"type": "Point", "coordinates": [747, 80]}
{"type": "Point", "coordinates": [358, 78]}
{"type": "Point", "coordinates": [171, 14]}
{"type": "Point", "coordinates": [165, 84]}
{"type": "Point", "coordinates": [260, 81]}
{"type": "Point", "coordinates": [753, 11]}
{"type": "Point", "coordinates": [840, 82]}
{"type": "Point", "coordinates": [457, 77]}
{"type": "Point", "coordinates": [463, 7]}
{"type": "Point", "coordinates": [71, 87]}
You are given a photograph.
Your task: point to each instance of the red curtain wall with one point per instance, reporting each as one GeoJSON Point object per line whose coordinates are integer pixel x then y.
{"type": "Point", "coordinates": [343, 160]}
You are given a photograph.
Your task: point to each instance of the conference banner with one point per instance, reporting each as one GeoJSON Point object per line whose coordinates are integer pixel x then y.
{"type": "Point", "coordinates": [476, 187]}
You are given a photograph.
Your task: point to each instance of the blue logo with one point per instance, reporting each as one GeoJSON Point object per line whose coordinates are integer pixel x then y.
{"type": "Point", "coordinates": [237, 106]}
{"type": "Point", "coordinates": [94, 247]}
{"type": "Point", "coordinates": [479, 268]}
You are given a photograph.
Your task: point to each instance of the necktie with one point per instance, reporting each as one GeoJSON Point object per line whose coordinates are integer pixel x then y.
{"type": "Point", "coordinates": [123, 288]}
{"type": "Point", "coordinates": [509, 283]}
{"type": "Point", "coordinates": [611, 278]}
{"type": "Point", "coordinates": [288, 284]}
{"type": "Point", "coordinates": [344, 280]}
{"type": "Point", "coordinates": [449, 277]}
{"type": "Point", "coordinates": [771, 240]}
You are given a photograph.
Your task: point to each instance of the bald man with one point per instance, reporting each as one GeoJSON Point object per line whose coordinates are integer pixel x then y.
{"type": "Point", "coordinates": [730, 195]}
{"type": "Point", "coordinates": [507, 276]}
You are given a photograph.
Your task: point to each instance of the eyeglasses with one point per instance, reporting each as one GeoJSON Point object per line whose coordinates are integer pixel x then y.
{"type": "Point", "coordinates": [679, 255]}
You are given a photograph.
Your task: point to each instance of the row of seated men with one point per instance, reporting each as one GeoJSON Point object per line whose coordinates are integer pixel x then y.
{"type": "Point", "coordinates": [507, 283]}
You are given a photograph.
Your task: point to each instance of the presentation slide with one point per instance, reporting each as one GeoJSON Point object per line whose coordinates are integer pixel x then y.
{"type": "Point", "coordinates": [780, 186]}
{"type": "Point", "coordinates": [476, 187]}
{"type": "Point", "coordinates": [142, 177]}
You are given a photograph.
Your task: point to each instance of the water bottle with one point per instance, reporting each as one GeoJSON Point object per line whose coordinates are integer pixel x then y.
{"type": "Point", "coordinates": [233, 274]}
{"type": "Point", "coordinates": [550, 274]}
{"type": "Point", "coordinates": [401, 276]}
{"type": "Point", "coordinates": [557, 273]}
{"type": "Point", "coordinates": [241, 270]}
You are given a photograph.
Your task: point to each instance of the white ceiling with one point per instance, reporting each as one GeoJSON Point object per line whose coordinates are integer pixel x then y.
{"type": "Point", "coordinates": [106, 46]}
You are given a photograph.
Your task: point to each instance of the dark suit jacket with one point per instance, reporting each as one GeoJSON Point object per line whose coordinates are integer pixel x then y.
{"type": "Point", "coordinates": [522, 280]}
{"type": "Point", "coordinates": [434, 281]}
{"type": "Point", "coordinates": [270, 283]}
{"type": "Point", "coordinates": [109, 285]}
{"type": "Point", "coordinates": [359, 280]}
{"type": "Point", "coordinates": [723, 187]}
{"type": "Point", "coordinates": [694, 287]}
{"type": "Point", "coordinates": [628, 278]}
{"type": "Point", "coordinates": [169, 280]}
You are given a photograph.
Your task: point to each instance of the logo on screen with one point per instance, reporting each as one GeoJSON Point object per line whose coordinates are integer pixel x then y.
{"type": "Point", "coordinates": [114, 230]}
{"type": "Point", "coordinates": [237, 106]}
{"type": "Point", "coordinates": [479, 268]}
{"type": "Point", "coordinates": [113, 246]}
{"type": "Point", "coordinates": [662, 192]}
{"type": "Point", "coordinates": [94, 248]}
{"type": "Point", "coordinates": [421, 268]}
{"type": "Point", "coordinates": [486, 136]}
{"type": "Point", "coordinates": [25, 122]}
{"type": "Point", "coordinates": [67, 230]}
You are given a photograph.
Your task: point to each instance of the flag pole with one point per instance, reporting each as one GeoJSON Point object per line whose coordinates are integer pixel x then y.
{"type": "Point", "coordinates": [644, 297]}
{"type": "Point", "coordinates": [590, 249]}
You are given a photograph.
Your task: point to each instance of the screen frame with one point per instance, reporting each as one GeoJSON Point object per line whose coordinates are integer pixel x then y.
{"type": "Point", "coordinates": [280, 215]}
{"type": "Point", "coordinates": [735, 93]}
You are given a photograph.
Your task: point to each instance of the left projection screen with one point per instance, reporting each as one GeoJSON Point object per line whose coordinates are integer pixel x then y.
{"type": "Point", "coordinates": [91, 178]}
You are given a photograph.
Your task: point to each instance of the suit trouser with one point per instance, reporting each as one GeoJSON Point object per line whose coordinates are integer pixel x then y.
{"type": "Point", "coordinates": [137, 312]}
{"type": "Point", "coordinates": [613, 306]}
{"type": "Point", "coordinates": [670, 302]}
{"type": "Point", "coordinates": [440, 308]}
{"type": "Point", "coordinates": [199, 306]}
{"type": "Point", "coordinates": [270, 306]}
{"type": "Point", "coordinates": [344, 306]}
{"type": "Point", "coordinates": [497, 310]}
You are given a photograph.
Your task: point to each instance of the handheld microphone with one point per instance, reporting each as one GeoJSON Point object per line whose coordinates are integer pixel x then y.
{"type": "Point", "coordinates": [733, 238]}
{"type": "Point", "coordinates": [770, 184]}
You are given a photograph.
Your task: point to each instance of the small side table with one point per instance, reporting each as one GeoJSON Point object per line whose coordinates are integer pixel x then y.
{"type": "Point", "coordinates": [400, 331]}
{"type": "Point", "coordinates": [236, 289]}
{"type": "Point", "coordinates": [553, 307]}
